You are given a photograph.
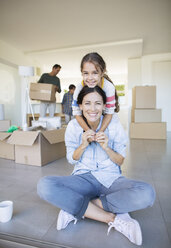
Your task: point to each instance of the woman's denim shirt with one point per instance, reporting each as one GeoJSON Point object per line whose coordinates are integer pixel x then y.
{"type": "Point", "coordinates": [94, 158]}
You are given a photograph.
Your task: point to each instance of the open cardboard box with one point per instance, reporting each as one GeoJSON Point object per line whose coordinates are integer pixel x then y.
{"type": "Point", "coordinates": [38, 147]}
{"type": "Point", "coordinates": [6, 150]}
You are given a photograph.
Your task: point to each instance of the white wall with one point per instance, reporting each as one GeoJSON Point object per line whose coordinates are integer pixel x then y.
{"type": "Point", "coordinates": [10, 93]}
{"type": "Point", "coordinates": [134, 72]}
{"type": "Point", "coordinates": [10, 82]}
{"type": "Point", "coordinates": [152, 70]}
{"type": "Point", "coordinates": [161, 73]}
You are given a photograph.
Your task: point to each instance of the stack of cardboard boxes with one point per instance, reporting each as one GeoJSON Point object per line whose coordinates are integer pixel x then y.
{"type": "Point", "coordinates": [145, 118]}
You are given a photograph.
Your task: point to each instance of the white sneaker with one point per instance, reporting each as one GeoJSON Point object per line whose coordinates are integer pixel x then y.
{"type": "Point", "coordinates": [129, 227]}
{"type": "Point", "coordinates": [64, 219]}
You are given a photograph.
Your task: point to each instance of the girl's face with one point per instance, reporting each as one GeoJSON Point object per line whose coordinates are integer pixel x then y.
{"type": "Point", "coordinates": [91, 75]}
{"type": "Point", "coordinates": [92, 107]}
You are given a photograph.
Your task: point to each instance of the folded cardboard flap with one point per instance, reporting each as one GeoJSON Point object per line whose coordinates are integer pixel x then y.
{"type": "Point", "coordinates": [4, 136]}
{"type": "Point", "coordinates": [54, 136]}
{"type": "Point", "coordinates": [23, 138]}
{"type": "Point", "coordinates": [28, 138]}
{"type": "Point", "coordinates": [6, 150]}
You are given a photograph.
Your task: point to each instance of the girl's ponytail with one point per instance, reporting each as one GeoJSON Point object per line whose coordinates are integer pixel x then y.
{"type": "Point", "coordinates": [117, 107]}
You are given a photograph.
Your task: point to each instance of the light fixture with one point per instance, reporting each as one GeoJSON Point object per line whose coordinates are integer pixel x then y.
{"type": "Point", "coordinates": [26, 71]}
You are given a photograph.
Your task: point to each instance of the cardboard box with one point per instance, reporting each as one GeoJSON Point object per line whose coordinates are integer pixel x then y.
{"type": "Point", "coordinates": [144, 97]}
{"type": "Point", "coordinates": [146, 115]}
{"type": "Point", "coordinates": [38, 147]}
{"type": "Point", "coordinates": [5, 125]}
{"type": "Point", "coordinates": [148, 130]}
{"type": "Point", "coordinates": [42, 92]}
{"type": "Point", "coordinates": [6, 150]}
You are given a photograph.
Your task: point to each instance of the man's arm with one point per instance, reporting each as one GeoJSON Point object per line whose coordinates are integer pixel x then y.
{"type": "Point", "coordinates": [58, 87]}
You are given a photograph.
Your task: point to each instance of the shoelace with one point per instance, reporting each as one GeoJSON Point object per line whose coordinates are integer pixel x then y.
{"type": "Point", "coordinates": [75, 221]}
{"type": "Point", "coordinates": [119, 224]}
{"type": "Point", "coordinates": [71, 218]}
{"type": "Point", "coordinates": [111, 224]}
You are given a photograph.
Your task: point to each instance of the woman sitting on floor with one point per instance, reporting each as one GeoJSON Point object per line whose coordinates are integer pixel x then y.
{"type": "Point", "coordinates": [96, 189]}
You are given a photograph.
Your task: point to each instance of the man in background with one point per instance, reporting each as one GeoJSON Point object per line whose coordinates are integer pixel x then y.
{"type": "Point", "coordinates": [67, 103]}
{"type": "Point", "coordinates": [50, 78]}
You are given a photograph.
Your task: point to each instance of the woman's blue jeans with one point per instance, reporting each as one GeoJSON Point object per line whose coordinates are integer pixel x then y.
{"type": "Point", "coordinates": [73, 193]}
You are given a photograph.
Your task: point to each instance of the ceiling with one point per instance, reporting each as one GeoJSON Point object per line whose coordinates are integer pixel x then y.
{"type": "Point", "coordinates": [115, 55]}
{"type": "Point", "coordinates": [62, 31]}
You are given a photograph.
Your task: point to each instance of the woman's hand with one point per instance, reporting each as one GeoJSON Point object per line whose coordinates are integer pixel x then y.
{"type": "Point", "coordinates": [102, 139]}
{"type": "Point", "coordinates": [88, 136]}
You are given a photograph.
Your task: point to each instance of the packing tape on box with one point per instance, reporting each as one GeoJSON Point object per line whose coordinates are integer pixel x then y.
{"type": "Point", "coordinates": [2, 114]}
{"type": "Point", "coordinates": [42, 91]}
{"type": "Point", "coordinates": [45, 91]}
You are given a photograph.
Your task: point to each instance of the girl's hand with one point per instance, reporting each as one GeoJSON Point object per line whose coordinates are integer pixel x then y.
{"type": "Point", "coordinates": [102, 139]}
{"type": "Point", "coordinates": [87, 136]}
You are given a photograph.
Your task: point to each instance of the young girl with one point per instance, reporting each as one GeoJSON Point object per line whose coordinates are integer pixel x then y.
{"type": "Point", "coordinates": [93, 69]}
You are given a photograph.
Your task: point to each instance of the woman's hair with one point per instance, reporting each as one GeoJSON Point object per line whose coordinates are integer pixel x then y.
{"type": "Point", "coordinates": [86, 90]}
{"type": "Point", "coordinates": [99, 63]}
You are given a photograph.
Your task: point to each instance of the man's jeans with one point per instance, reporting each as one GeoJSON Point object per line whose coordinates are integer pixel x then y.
{"type": "Point", "coordinates": [51, 107]}
{"type": "Point", "coordinates": [73, 193]}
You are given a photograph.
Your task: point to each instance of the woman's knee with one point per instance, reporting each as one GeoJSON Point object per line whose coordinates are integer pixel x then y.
{"type": "Point", "coordinates": [148, 195]}
{"type": "Point", "coordinates": [152, 195]}
{"type": "Point", "coordinates": [44, 186]}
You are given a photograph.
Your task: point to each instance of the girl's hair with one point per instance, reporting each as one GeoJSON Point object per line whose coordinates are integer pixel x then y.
{"type": "Point", "coordinates": [86, 90]}
{"type": "Point", "coordinates": [99, 63]}
{"type": "Point", "coordinates": [117, 107]}
{"type": "Point", "coordinates": [96, 60]}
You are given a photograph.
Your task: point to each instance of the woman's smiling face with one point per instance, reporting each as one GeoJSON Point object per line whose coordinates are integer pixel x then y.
{"type": "Point", "coordinates": [92, 107]}
{"type": "Point", "coordinates": [92, 76]}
